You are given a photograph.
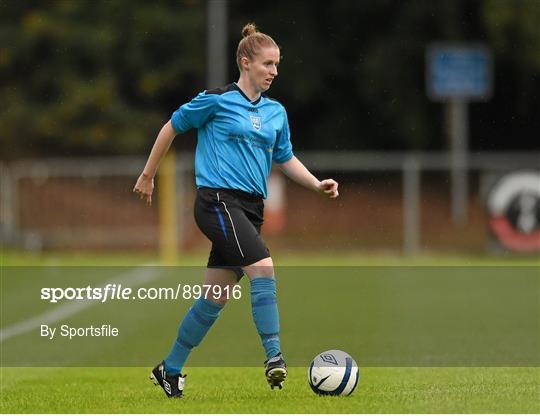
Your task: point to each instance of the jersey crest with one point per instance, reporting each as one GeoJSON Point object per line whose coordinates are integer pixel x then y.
{"type": "Point", "coordinates": [255, 122]}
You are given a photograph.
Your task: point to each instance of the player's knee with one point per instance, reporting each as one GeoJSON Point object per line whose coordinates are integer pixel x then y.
{"type": "Point", "coordinates": [262, 268]}
{"type": "Point", "coordinates": [221, 298]}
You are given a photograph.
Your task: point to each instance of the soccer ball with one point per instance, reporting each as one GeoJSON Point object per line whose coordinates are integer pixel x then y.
{"type": "Point", "coordinates": [333, 373]}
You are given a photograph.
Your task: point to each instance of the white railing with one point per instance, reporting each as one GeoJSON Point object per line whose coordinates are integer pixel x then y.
{"type": "Point", "coordinates": [24, 185]}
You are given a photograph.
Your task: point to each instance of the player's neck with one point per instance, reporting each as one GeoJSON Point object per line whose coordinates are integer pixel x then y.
{"type": "Point", "coordinates": [248, 89]}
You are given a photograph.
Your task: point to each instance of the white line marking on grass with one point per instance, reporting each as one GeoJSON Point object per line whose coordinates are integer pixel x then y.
{"type": "Point", "coordinates": [132, 278]}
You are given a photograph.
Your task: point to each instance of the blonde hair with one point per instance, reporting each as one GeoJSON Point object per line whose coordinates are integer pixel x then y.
{"type": "Point", "coordinates": [252, 41]}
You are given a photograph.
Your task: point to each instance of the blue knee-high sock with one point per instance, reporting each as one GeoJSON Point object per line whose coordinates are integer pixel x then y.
{"type": "Point", "coordinates": [265, 313]}
{"type": "Point", "coordinates": [196, 323]}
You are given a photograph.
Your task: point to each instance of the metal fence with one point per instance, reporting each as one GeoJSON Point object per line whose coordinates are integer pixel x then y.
{"type": "Point", "coordinates": [87, 203]}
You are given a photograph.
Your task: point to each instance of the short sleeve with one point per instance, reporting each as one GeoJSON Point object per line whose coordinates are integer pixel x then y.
{"type": "Point", "coordinates": [196, 113]}
{"type": "Point", "coordinates": [283, 147]}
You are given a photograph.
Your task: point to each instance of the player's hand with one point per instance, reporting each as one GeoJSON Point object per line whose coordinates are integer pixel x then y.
{"type": "Point", "coordinates": [328, 187]}
{"type": "Point", "coordinates": [144, 188]}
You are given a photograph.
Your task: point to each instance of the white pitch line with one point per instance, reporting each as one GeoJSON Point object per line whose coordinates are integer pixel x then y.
{"type": "Point", "coordinates": [132, 278]}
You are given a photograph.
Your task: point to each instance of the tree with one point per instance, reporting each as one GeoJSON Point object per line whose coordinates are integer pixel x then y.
{"type": "Point", "coordinates": [94, 77]}
{"type": "Point", "coordinates": [102, 77]}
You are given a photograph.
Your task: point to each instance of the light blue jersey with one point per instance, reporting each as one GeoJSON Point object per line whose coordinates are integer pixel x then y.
{"type": "Point", "coordinates": [237, 139]}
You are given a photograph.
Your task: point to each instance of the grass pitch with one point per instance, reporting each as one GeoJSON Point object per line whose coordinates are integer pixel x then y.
{"type": "Point", "coordinates": [244, 390]}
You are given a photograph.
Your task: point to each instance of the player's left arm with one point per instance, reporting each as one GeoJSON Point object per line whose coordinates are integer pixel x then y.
{"type": "Point", "coordinates": [295, 170]}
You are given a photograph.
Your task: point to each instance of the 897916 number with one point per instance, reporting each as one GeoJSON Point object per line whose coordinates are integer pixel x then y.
{"type": "Point", "coordinates": [211, 291]}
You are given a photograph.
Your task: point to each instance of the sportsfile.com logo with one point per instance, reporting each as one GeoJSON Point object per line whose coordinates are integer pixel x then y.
{"type": "Point", "coordinates": [113, 291]}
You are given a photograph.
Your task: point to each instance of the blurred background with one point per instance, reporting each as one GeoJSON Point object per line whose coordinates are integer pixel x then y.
{"type": "Point", "coordinates": [427, 113]}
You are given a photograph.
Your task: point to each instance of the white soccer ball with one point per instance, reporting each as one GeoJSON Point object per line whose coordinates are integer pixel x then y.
{"type": "Point", "coordinates": [333, 373]}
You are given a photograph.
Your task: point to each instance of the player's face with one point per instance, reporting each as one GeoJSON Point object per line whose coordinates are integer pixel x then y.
{"type": "Point", "coordinates": [264, 68]}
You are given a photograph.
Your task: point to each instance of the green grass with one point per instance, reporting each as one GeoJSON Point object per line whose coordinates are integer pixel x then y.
{"type": "Point", "coordinates": [243, 390]}
{"type": "Point", "coordinates": [284, 258]}
{"type": "Point", "coordinates": [379, 312]}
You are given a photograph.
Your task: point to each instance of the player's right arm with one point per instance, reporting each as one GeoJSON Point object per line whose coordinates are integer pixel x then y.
{"type": "Point", "coordinates": [194, 114]}
{"type": "Point", "coordinates": [145, 184]}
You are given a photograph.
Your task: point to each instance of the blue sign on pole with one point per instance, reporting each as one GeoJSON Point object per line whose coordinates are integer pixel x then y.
{"type": "Point", "coordinates": [458, 72]}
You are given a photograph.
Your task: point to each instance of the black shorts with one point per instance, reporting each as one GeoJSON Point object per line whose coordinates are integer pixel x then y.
{"type": "Point", "coordinates": [232, 221]}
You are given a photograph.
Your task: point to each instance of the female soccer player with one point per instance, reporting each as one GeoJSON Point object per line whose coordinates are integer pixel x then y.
{"type": "Point", "coordinates": [240, 133]}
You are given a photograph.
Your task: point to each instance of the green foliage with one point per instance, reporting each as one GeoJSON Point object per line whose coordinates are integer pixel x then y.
{"type": "Point", "coordinates": [514, 27]}
{"type": "Point", "coordinates": [81, 77]}
{"type": "Point", "coordinates": [93, 77]}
